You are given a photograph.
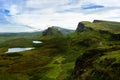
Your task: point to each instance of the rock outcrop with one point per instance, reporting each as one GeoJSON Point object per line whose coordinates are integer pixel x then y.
{"type": "Point", "coordinates": [110, 26]}
{"type": "Point", "coordinates": [81, 27]}
{"type": "Point", "coordinates": [86, 67]}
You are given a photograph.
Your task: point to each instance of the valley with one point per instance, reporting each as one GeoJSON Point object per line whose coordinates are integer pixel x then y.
{"type": "Point", "coordinates": [91, 52]}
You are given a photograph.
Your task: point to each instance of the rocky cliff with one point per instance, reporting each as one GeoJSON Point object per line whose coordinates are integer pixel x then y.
{"type": "Point", "coordinates": [101, 62]}
{"type": "Point", "coordinates": [82, 27]}
{"type": "Point", "coordinates": [107, 27]}
{"type": "Point", "coordinates": [110, 26]}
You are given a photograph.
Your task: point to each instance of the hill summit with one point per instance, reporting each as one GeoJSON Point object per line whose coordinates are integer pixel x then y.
{"type": "Point", "coordinates": [51, 31]}
{"type": "Point", "coordinates": [110, 26]}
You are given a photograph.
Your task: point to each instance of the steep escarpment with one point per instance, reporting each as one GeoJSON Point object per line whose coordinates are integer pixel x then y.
{"type": "Point", "coordinates": [110, 26]}
{"type": "Point", "coordinates": [107, 27]}
{"type": "Point", "coordinates": [82, 27]}
{"type": "Point", "coordinates": [98, 64]}
{"type": "Point", "coordinates": [90, 53]}
{"type": "Point", "coordinates": [102, 61]}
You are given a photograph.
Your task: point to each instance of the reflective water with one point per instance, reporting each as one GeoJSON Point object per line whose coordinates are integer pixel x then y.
{"type": "Point", "coordinates": [37, 42]}
{"type": "Point", "coordinates": [10, 50]}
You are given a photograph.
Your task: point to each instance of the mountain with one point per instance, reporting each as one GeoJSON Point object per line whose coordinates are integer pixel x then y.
{"type": "Point", "coordinates": [57, 30]}
{"type": "Point", "coordinates": [63, 30]}
{"type": "Point", "coordinates": [101, 25]}
{"type": "Point", "coordinates": [100, 59]}
{"type": "Point", "coordinates": [89, 53]}
{"type": "Point", "coordinates": [51, 31]}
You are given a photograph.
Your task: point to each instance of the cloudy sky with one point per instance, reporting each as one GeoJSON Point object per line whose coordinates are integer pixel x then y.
{"type": "Point", "coordinates": [30, 15]}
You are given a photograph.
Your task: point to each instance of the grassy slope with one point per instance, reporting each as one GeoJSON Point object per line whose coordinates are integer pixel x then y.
{"type": "Point", "coordinates": [16, 65]}
{"type": "Point", "coordinates": [55, 58]}
{"type": "Point", "coordinates": [52, 60]}
{"type": "Point", "coordinates": [113, 27]}
{"type": "Point", "coordinates": [100, 61]}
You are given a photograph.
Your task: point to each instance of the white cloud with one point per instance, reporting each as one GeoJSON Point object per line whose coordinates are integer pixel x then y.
{"type": "Point", "coordinates": [13, 10]}
{"type": "Point", "coordinates": [41, 14]}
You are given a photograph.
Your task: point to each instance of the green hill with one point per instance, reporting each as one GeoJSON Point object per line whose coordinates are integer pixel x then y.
{"type": "Point", "coordinates": [101, 60]}
{"type": "Point", "coordinates": [113, 27]}
{"type": "Point", "coordinates": [63, 30]}
{"type": "Point", "coordinates": [51, 31]}
{"type": "Point", "coordinates": [92, 52]}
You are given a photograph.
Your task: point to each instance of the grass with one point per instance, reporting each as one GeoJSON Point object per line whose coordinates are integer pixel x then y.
{"type": "Point", "coordinates": [3, 50]}
{"type": "Point", "coordinates": [94, 54]}
{"type": "Point", "coordinates": [113, 27]}
{"type": "Point", "coordinates": [9, 36]}
{"type": "Point", "coordinates": [113, 54]}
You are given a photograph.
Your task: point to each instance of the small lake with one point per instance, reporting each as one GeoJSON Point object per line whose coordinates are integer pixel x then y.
{"type": "Point", "coordinates": [11, 50]}
{"type": "Point", "coordinates": [37, 42]}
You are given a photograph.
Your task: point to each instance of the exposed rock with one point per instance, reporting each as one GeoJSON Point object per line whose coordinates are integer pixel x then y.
{"type": "Point", "coordinates": [115, 36]}
{"type": "Point", "coordinates": [110, 26]}
{"type": "Point", "coordinates": [95, 21]}
{"type": "Point", "coordinates": [103, 27]}
{"type": "Point", "coordinates": [85, 64]}
{"type": "Point", "coordinates": [81, 27]}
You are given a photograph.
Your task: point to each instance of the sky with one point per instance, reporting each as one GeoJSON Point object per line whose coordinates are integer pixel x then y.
{"type": "Point", "coordinates": [33, 15]}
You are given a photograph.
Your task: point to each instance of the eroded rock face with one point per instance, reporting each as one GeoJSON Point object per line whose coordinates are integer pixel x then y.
{"type": "Point", "coordinates": [81, 27]}
{"type": "Point", "coordinates": [96, 21]}
{"type": "Point", "coordinates": [86, 69]}
{"type": "Point", "coordinates": [84, 62]}
{"type": "Point", "coordinates": [115, 36]}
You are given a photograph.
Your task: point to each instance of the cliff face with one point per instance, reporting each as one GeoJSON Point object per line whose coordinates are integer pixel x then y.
{"type": "Point", "coordinates": [113, 27]}
{"type": "Point", "coordinates": [95, 64]}
{"type": "Point", "coordinates": [107, 27]}
{"type": "Point", "coordinates": [116, 36]}
{"type": "Point", "coordinates": [81, 27]}
{"type": "Point", "coordinates": [100, 62]}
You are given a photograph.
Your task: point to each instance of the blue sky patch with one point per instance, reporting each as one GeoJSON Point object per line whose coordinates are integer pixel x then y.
{"type": "Point", "coordinates": [92, 7]}
{"type": "Point", "coordinates": [38, 13]}
{"type": "Point", "coordinates": [5, 12]}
